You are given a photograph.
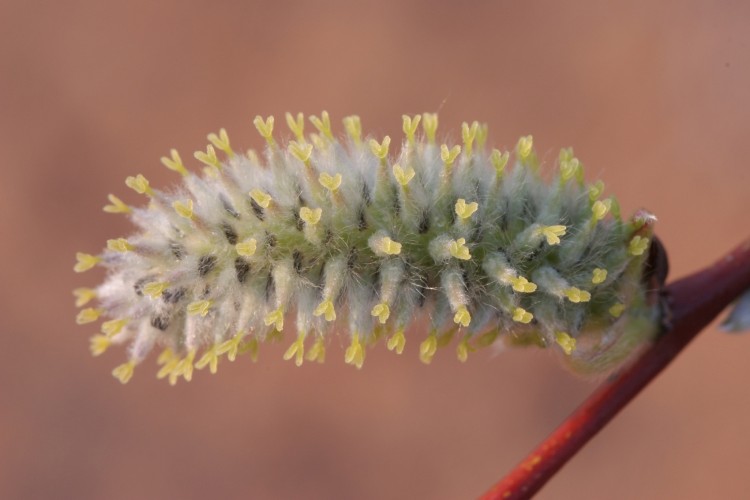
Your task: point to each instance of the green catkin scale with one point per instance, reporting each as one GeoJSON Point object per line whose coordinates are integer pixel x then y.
{"type": "Point", "coordinates": [326, 234]}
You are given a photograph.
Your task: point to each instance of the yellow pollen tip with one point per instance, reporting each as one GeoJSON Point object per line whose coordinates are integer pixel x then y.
{"type": "Point", "coordinates": [183, 209]}
{"type": "Point", "coordinates": [247, 248]}
{"type": "Point", "coordinates": [449, 155]}
{"type": "Point", "coordinates": [323, 124]}
{"type": "Point", "coordinates": [521, 315]}
{"type": "Point", "coordinates": [522, 285]}
{"type": "Point", "coordinates": [139, 184]}
{"type": "Point", "coordinates": [569, 168]}
{"type": "Point", "coordinates": [469, 134]}
{"type": "Point", "coordinates": [265, 128]}
{"type": "Point", "coordinates": [113, 327]}
{"type": "Point", "coordinates": [84, 296]}
{"type": "Point", "coordinates": [331, 183]}
{"type": "Point", "coordinates": [85, 262]}
{"type": "Point", "coordinates": [499, 161]}
{"type": "Point", "coordinates": [311, 216]}
{"type": "Point", "coordinates": [98, 344]}
{"type": "Point", "coordinates": [185, 366]}
{"type": "Point", "coordinates": [119, 245]}
{"type": "Point", "coordinates": [577, 295]}
{"type": "Point", "coordinates": [221, 141]}
{"type": "Point", "coordinates": [297, 126]}
{"type": "Point", "coordinates": [595, 190]}
{"type": "Point", "coordinates": [599, 276]}
{"type": "Point", "coordinates": [208, 158]}
{"type": "Point", "coordinates": [430, 125]}
{"type": "Point", "coordinates": [462, 350]}
{"type": "Point", "coordinates": [565, 341]}
{"type": "Point", "coordinates": [382, 312]}
{"type": "Point", "coordinates": [296, 350]}
{"type": "Point", "coordinates": [355, 353]}
{"type": "Point", "coordinates": [397, 342]}
{"type": "Point", "coordinates": [318, 351]}
{"type": "Point", "coordinates": [353, 127]}
{"type": "Point", "coordinates": [380, 150]}
{"type": "Point", "coordinates": [459, 250]}
{"type": "Point", "coordinates": [465, 210]}
{"type": "Point", "coordinates": [116, 206]}
{"type": "Point", "coordinates": [600, 209]}
{"type": "Point", "coordinates": [428, 348]}
{"type": "Point", "coordinates": [617, 310]}
{"type": "Point", "coordinates": [230, 347]}
{"type": "Point", "coordinates": [174, 163]}
{"type": "Point", "coordinates": [387, 246]}
{"type": "Point", "coordinates": [88, 315]}
{"type": "Point", "coordinates": [301, 151]}
{"type": "Point", "coordinates": [210, 358]}
{"type": "Point", "coordinates": [326, 309]}
{"type": "Point", "coordinates": [261, 198]}
{"type": "Point", "coordinates": [199, 307]}
{"type": "Point", "coordinates": [155, 289]}
{"type": "Point", "coordinates": [403, 177]}
{"type": "Point", "coordinates": [410, 126]}
{"type": "Point", "coordinates": [552, 233]}
{"type": "Point", "coordinates": [638, 245]}
{"type": "Point", "coordinates": [124, 372]}
{"type": "Point", "coordinates": [275, 318]}
{"type": "Point", "coordinates": [524, 147]}
{"type": "Point", "coordinates": [462, 317]}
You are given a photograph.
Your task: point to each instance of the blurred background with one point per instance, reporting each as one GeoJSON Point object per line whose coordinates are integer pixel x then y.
{"type": "Point", "coordinates": [653, 98]}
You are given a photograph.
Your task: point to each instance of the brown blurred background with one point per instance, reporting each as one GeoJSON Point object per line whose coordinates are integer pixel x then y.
{"type": "Point", "coordinates": [655, 101]}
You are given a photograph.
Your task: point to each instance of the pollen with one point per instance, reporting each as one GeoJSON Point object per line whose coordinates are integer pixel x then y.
{"type": "Point", "coordinates": [638, 245]}
{"type": "Point", "coordinates": [553, 233]}
{"type": "Point", "coordinates": [355, 353]}
{"type": "Point", "coordinates": [382, 312]}
{"type": "Point", "coordinates": [84, 296]}
{"type": "Point", "coordinates": [465, 210]}
{"type": "Point", "coordinates": [521, 315]}
{"type": "Point", "coordinates": [85, 262]}
{"type": "Point", "coordinates": [116, 206]}
{"type": "Point", "coordinates": [565, 341]}
{"type": "Point", "coordinates": [459, 250]}
{"type": "Point", "coordinates": [174, 162]}
{"type": "Point", "coordinates": [326, 310]}
{"type": "Point", "coordinates": [330, 231]}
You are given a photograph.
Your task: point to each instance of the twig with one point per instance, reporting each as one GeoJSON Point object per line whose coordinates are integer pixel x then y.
{"type": "Point", "coordinates": [695, 301]}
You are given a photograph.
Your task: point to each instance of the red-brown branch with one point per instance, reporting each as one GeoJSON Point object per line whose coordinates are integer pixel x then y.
{"type": "Point", "coordinates": [695, 301]}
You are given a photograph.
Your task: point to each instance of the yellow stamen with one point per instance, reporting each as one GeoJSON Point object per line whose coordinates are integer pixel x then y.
{"type": "Point", "coordinates": [185, 366]}
{"type": "Point", "coordinates": [462, 317]}
{"type": "Point", "coordinates": [465, 210]}
{"type": "Point", "coordinates": [155, 289]}
{"type": "Point", "coordinates": [521, 315]}
{"type": "Point", "coordinates": [261, 198]}
{"type": "Point", "coordinates": [380, 150]}
{"type": "Point", "coordinates": [310, 215]}
{"type": "Point", "coordinates": [430, 125]}
{"type": "Point", "coordinates": [117, 206]}
{"type": "Point", "coordinates": [599, 276]}
{"type": "Point", "coordinates": [468, 134]}
{"type": "Point", "coordinates": [98, 344]}
{"type": "Point", "coordinates": [247, 248]}
{"type": "Point", "coordinates": [459, 250]}
{"type": "Point", "coordinates": [595, 190]}
{"type": "Point", "coordinates": [140, 185]}
{"type": "Point", "coordinates": [326, 309]}
{"type": "Point", "coordinates": [463, 349]}
{"type": "Point", "coordinates": [397, 341]}
{"type": "Point", "coordinates": [318, 351]}
{"type": "Point", "coordinates": [183, 209]}
{"type": "Point", "coordinates": [524, 148]}
{"type": "Point", "coordinates": [331, 183]}
{"type": "Point", "coordinates": [428, 348]}
{"type": "Point", "coordinates": [353, 127]}
{"type": "Point", "coordinates": [323, 124]}
{"type": "Point", "coordinates": [275, 318]}
{"type": "Point", "coordinates": [617, 310]}
{"type": "Point", "coordinates": [577, 295]}
{"type": "Point", "coordinates": [296, 350]}
{"type": "Point", "coordinates": [296, 126]}
{"type": "Point", "coordinates": [600, 209]}
{"type": "Point", "coordinates": [265, 128]}
{"type": "Point", "coordinates": [301, 151]}
{"type": "Point", "coordinates": [499, 161]}
{"type": "Point", "coordinates": [403, 177]}
{"type": "Point", "coordinates": [88, 315]}
{"type": "Point", "coordinates": [449, 155]}
{"type": "Point", "coordinates": [119, 245]}
{"type": "Point", "coordinates": [124, 372]}
{"type": "Point", "coordinates": [410, 127]}
{"type": "Point", "coordinates": [565, 341]}
{"type": "Point", "coordinates": [552, 233]}
{"type": "Point", "coordinates": [355, 353]}
{"type": "Point", "coordinates": [85, 262]}
{"type": "Point", "coordinates": [387, 246]}
{"type": "Point", "coordinates": [382, 312]}
{"type": "Point", "coordinates": [208, 158]}
{"type": "Point", "coordinates": [522, 285]}
{"type": "Point", "coordinates": [174, 163]}
{"type": "Point", "coordinates": [221, 141]}
{"type": "Point", "coordinates": [638, 245]}
{"type": "Point", "coordinates": [84, 296]}
{"type": "Point", "coordinates": [199, 307]}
